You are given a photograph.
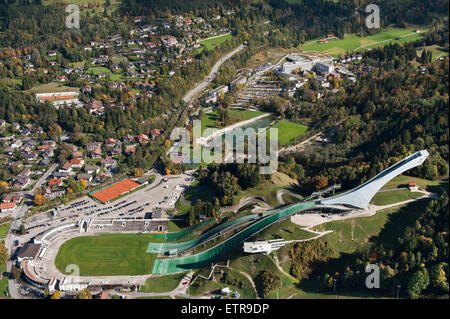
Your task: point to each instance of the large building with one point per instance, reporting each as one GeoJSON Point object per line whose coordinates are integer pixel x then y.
{"type": "Point", "coordinates": [59, 98]}
{"type": "Point", "coordinates": [264, 246]}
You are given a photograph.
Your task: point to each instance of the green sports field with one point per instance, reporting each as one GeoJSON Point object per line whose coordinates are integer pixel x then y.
{"type": "Point", "coordinates": [289, 131]}
{"type": "Point", "coordinates": [352, 42]}
{"type": "Point", "coordinates": [107, 255]}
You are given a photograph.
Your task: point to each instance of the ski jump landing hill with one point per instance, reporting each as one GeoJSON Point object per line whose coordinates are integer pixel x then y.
{"type": "Point", "coordinates": [358, 197]}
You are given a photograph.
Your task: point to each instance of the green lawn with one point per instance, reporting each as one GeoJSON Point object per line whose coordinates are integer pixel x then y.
{"type": "Point", "coordinates": [211, 43]}
{"type": "Point", "coordinates": [386, 225]}
{"type": "Point", "coordinates": [432, 186]}
{"type": "Point", "coordinates": [201, 285]}
{"type": "Point", "coordinates": [391, 197]}
{"type": "Point", "coordinates": [289, 199]}
{"type": "Point", "coordinates": [52, 87]}
{"type": "Point", "coordinates": [107, 254]}
{"type": "Point", "coordinates": [289, 131]}
{"type": "Point", "coordinates": [286, 230]}
{"type": "Point", "coordinates": [3, 283]}
{"type": "Point", "coordinates": [4, 230]}
{"type": "Point", "coordinates": [162, 283]}
{"type": "Point", "coordinates": [353, 42]}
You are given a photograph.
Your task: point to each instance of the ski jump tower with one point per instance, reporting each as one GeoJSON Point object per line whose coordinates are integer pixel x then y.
{"type": "Point", "coordinates": [360, 196]}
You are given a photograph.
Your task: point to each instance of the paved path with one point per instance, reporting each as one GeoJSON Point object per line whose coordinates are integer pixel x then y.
{"type": "Point", "coordinates": [282, 192]}
{"type": "Point", "coordinates": [245, 201]}
{"type": "Point", "coordinates": [312, 220]}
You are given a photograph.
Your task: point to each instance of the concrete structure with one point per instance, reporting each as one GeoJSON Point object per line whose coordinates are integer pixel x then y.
{"type": "Point", "coordinates": [360, 196]}
{"type": "Point", "coordinates": [238, 81]}
{"type": "Point", "coordinates": [264, 246]}
{"type": "Point", "coordinates": [214, 94]}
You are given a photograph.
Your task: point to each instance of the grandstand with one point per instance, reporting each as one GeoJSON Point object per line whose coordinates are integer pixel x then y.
{"type": "Point", "coordinates": [106, 194]}
{"type": "Point", "coordinates": [127, 225]}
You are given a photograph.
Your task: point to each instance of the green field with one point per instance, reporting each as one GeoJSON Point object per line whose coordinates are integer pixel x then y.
{"type": "Point", "coordinates": [391, 197]}
{"type": "Point", "coordinates": [52, 87]}
{"type": "Point", "coordinates": [289, 131]}
{"type": "Point", "coordinates": [4, 230]}
{"type": "Point", "coordinates": [437, 186]}
{"type": "Point", "coordinates": [211, 43]}
{"type": "Point", "coordinates": [107, 255]}
{"type": "Point", "coordinates": [386, 224]}
{"type": "Point", "coordinates": [3, 283]}
{"type": "Point", "coordinates": [162, 283]}
{"type": "Point", "coordinates": [201, 285]}
{"type": "Point", "coordinates": [352, 42]}
{"type": "Point", "coordinates": [286, 230]}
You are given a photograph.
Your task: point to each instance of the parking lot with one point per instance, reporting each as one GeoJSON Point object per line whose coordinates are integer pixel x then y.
{"type": "Point", "coordinates": [163, 194]}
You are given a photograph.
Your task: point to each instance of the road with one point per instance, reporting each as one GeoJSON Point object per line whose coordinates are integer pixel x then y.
{"type": "Point", "coordinates": [193, 93]}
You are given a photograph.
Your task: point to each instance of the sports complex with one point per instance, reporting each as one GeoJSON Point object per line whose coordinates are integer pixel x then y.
{"type": "Point", "coordinates": [167, 253]}
{"type": "Point", "coordinates": [108, 193]}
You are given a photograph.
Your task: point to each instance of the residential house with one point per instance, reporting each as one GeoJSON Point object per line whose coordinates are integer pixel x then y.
{"type": "Point", "coordinates": [108, 163]}
{"type": "Point", "coordinates": [143, 138]}
{"type": "Point", "coordinates": [86, 177]}
{"type": "Point", "coordinates": [93, 146]}
{"type": "Point", "coordinates": [66, 168]}
{"type": "Point", "coordinates": [77, 163]}
{"type": "Point", "coordinates": [52, 193]}
{"type": "Point", "coordinates": [55, 182]}
{"type": "Point", "coordinates": [91, 169]}
{"type": "Point", "coordinates": [12, 197]}
{"type": "Point", "coordinates": [97, 153]}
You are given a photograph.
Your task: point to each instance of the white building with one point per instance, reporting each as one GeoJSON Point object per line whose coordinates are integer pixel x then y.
{"type": "Point", "coordinates": [264, 246]}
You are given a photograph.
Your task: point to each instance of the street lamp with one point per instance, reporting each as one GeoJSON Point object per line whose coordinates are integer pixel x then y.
{"type": "Point", "coordinates": [334, 286]}
{"type": "Point", "coordinates": [398, 289]}
{"type": "Point", "coordinates": [318, 283]}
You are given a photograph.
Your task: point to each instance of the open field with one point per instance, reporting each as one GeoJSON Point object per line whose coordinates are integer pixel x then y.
{"type": "Point", "coordinates": [3, 283]}
{"type": "Point", "coordinates": [52, 87]}
{"type": "Point", "coordinates": [286, 230]}
{"type": "Point", "coordinates": [162, 283]}
{"type": "Point", "coordinates": [202, 285]}
{"type": "Point", "coordinates": [391, 197]}
{"type": "Point", "coordinates": [107, 255]}
{"type": "Point", "coordinates": [4, 230]}
{"type": "Point", "coordinates": [289, 131]}
{"type": "Point", "coordinates": [432, 186]}
{"type": "Point", "coordinates": [268, 190]}
{"type": "Point", "coordinates": [209, 120]}
{"type": "Point", "coordinates": [211, 43]}
{"type": "Point", "coordinates": [388, 224]}
{"type": "Point", "coordinates": [352, 42]}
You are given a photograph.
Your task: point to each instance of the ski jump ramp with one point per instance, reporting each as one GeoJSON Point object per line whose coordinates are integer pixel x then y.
{"type": "Point", "coordinates": [360, 196]}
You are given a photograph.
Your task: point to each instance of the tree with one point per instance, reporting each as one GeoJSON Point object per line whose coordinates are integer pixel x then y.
{"type": "Point", "coordinates": [83, 294]}
{"type": "Point", "coordinates": [269, 281]}
{"type": "Point", "coordinates": [38, 199]}
{"type": "Point", "coordinates": [15, 271]}
{"type": "Point", "coordinates": [22, 230]}
{"type": "Point", "coordinates": [418, 282]}
{"type": "Point", "coordinates": [56, 295]}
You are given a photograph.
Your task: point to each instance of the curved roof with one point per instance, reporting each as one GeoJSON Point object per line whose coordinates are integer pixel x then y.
{"type": "Point", "coordinates": [361, 196]}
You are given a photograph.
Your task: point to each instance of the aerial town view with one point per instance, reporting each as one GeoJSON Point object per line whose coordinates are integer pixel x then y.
{"type": "Point", "coordinates": [224, 149]}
